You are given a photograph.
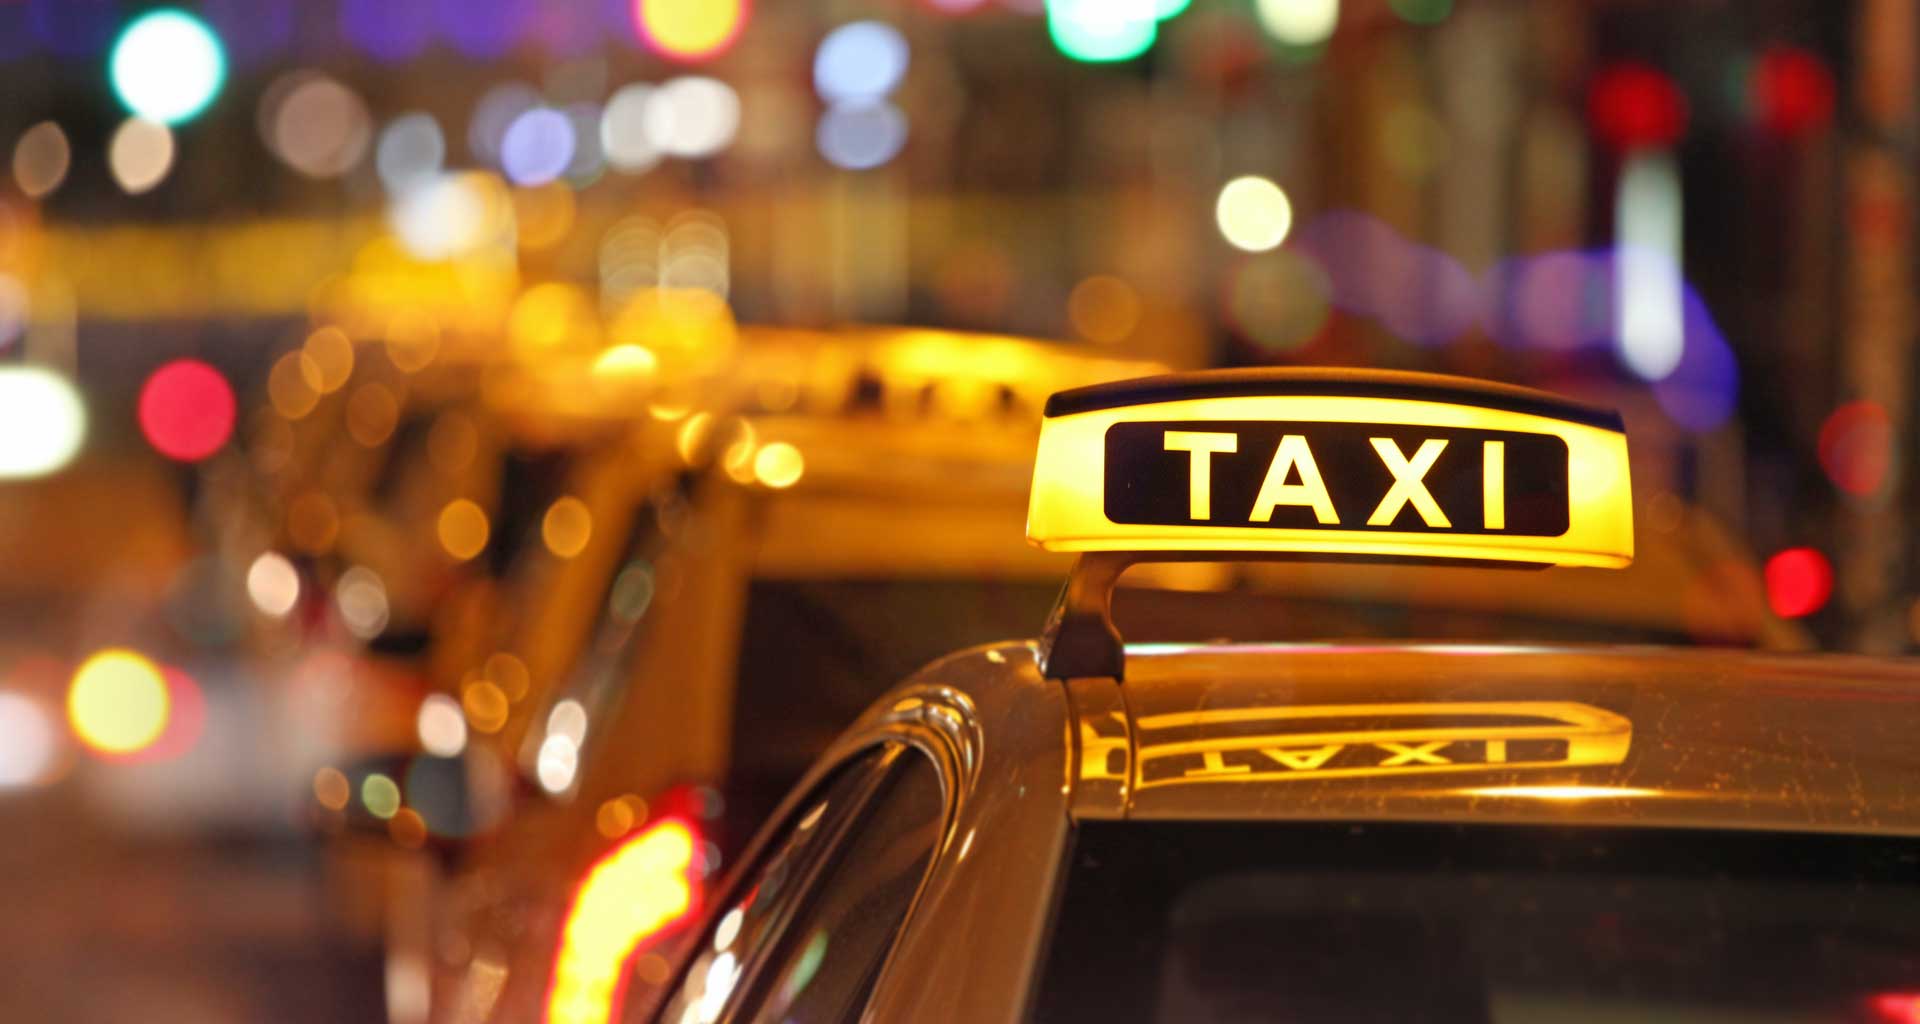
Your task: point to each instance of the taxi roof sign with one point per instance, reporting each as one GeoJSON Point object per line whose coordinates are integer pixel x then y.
{"type": "Point", "coordinates": [1332, 462]}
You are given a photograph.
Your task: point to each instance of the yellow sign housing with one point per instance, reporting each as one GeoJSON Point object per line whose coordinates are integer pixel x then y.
{"type": "Point", "coordinates": [1326, 462]}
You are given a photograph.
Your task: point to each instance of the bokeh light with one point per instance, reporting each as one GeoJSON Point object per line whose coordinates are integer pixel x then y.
{"type": "Point", "coordinates": [273, 584]}
{"type": "Point", "coordinates": [1857, 448]}
{"type": "Point", "coordinates": [41, 160]}
{"type": "Point", "coordinates": [1102, 31]}
{"type": "Point", "coordinates": [387, 30]}
{"type": "Point", "coordinates": [168, 66]}
{"type": "Point", "coordinates": [864, 60]}
{"type": "Point", "coordinates": [442, 726]}
{"type": "Point", "coordinates": [1103, 308]}
{"type": "Point", "coordinates": [1633, 105]}
{"type": "Point", "coordinates": [1791, 92]}
{"type": "Point", "coordinates": [380, 795]}
{"type": "Point", "coordinates": [498, 108]}
{"type": "Point", "coordinates": [411, 152]}
{"type": "Point", "coordinates": [1278, 301]}
{"type": "Point", "coordinates": [15, 308]}
{"type": "Point", "coordinates": [186, 410]}
{"type": "Point", "coordinates": [861, 135]}
{"type": "Point", "coordinates": [74, 28]}
{"type": "Point", "coordinates": [637, 890]}
{"type": "Point", "coordinates": [118, 702]}
{"type": "Point", "coordinates": [1799, 582]}
{"type": "Point", "coordinates": [623, 130]}
{"type": "Point", "coordinates": [462, 529]}
{"type": "Point", "coordinates": [1298, 23]}
{"type": "Point", "coordinates": [567, 527]}
{"type": "Point", "coordinates": [485, 29]}
{"type": "Point", "coordinates": [485, 704]}
{"type": "Point", "coordinates": [693, 117]}
{"type": "Point", "coordinates": [1422, 12]}
{"type": "Point", "coordinates": [29, 742]}
{"type": "Point", "coordinates": [538, 146]}
{"type": "Point", "coordinates": [450, 216]}
{"type": "Point", "coordinates": [316, 125]}
{"type": "Point", "coordinates": [331, 788]}
{"type": "Point", "coordinates": [43, 422]}
{"type": "Point", "coordinates": [690, 30]}
{"type": "Point", "coordinates": [361, 598]}
{"type": "Point", "coordinates": [140, 155]}
{"type": "Point", "coordinates": [779, 465]}
{"type": "Point", "coordinates": [1253, 214]}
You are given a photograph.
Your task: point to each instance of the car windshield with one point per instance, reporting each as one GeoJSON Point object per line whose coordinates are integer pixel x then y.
{"type": "Point", "coordinates": [1258, 922]}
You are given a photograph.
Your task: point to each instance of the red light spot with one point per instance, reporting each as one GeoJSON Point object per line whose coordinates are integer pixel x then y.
{"type": "Point", "coordinates": [637, 890]}
{"type": "Point", "coordinates": [1633, 105]}
{"type": "Point", "coordinates": [1896, 1007]}
{"type": "Point", "coordinates": [186, 410]}
{"type": "Point", "coordinates": [1792, 92]}
{"type": "Point", "coordinates": [1799, 581]}
{"type": "Point", "coordinates": [1856, 448]}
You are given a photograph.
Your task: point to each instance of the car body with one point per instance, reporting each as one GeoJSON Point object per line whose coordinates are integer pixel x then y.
{"type": "Point", "coordinates": [1075, 827]}
{"type": "Point", "coordinates": [1597, 741]}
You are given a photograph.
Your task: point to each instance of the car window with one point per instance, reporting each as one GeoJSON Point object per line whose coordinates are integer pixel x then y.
{"type": "Point", "coordinates": [831, 953]}
{"type": "Point", "coordinates": [1479, 924]}
{"type": "Point", "coordinates": [762, 900]}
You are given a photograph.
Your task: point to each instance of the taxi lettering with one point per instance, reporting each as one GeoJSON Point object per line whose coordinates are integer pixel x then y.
{"type": "Point", "coordinates": [1336, 476]}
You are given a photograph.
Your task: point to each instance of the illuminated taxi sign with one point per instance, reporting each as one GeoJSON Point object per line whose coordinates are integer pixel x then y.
{"type": "Point", "coordinates": [1341, 462]}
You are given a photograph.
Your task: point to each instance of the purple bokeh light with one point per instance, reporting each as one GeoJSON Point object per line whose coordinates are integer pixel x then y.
{"type": "Point", "coordinates": [75, 28]}
{"type": "Point", "coordinates": [387, 30]}
{"type": "Point", "coordinates": [253, 31]}
{"type": "Point", "coordinates": [485, 29]}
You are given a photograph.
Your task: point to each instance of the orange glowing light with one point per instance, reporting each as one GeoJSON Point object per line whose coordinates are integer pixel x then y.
{"type": "Point", "coordinates": [1896, 1007]}
{"type": "Point", "coordinates": [638, 890]}
{"type": "Point", "coordinates": [118, 703]}
{"type": "Point", "coordinates": [690, 30]}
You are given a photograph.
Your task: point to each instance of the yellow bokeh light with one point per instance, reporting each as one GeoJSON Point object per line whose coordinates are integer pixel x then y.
{"type": "Point", "coordinates": [691, 29]}
{"type": "Point", "coordinates": [463, 529]}
{"type": "Point", "coordinates": [614, 818]}
{"type": "Point", "coordinates": [381, 795]}
{"type": "Point", "coordinates": [779, 465]}
{"type": "Point", "coordinates": [508, 673]}
{"type": "Point", "coordinates": [627, 362]}
{"type": "Point", "coordinates": [551, 316]}
{"type": "Point", "coordinates": [331, 353]}
{"type": "Point", "coordinates": [1253, 214]}
{"type": "Point", "coordinates": [118, 702]}
{"type": "Point", "coordinates": [639, 888]}
{"type": "Point", "coordinates": [567, 527]}
{"type": "Point", "coordinates": [485, 705]}
{"type": "Point", "coordinates": [372, 413]}
{"type": "Point", "coordinates": [413, 340]}
{"type": "Point", "coordinates": [291, 385]}
{"type": "Point", "coordinates": [1104, 308]}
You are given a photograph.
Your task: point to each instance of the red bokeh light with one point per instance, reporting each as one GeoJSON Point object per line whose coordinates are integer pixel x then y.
{"type": "Point", "coordinates": [1856, 448]}
{"type": "Point", "coordinates": [1896, 1007]}
{"type": "Point", "coordinates": [186, 410]}
{"type": "Point", "coordinates": [1634, 106]}
{"type": "Point", "coordinates": [1791, 92]}
{"type": "Point", "coordinates": [1799, 581]}
{"type": "Point", "coordinates": [186, 718]}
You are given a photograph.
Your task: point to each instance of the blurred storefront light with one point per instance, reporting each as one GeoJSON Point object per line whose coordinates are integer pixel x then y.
{"type": "Point", "coordinates": [1102, 31]}
{"type": "Point", "coordinates": [1253, 214]}
{"type": "Point", "coordinates": [168, 66]}
{"type": "Point", "coordinates": [43, 422]}
{"type": "Point", "coordinates": [1647, 273]}
{"type": "Point", "coordinates": [693, 117]}
{"type": "Point", "coordinates": [690, 30]}
{"type": "Point", "coordinates": [41, 160]}
{"type": "Point", "coordinates": [273, 584]}
{"type": "Point", "coordinates": [140, 155]}
{"type": "Point", "coordinates": [187, 410]}
{"type": "Point", "coordinates": [859, 136]}
{"type": "Point", "coordinates": [863, 60]}
{"type": "Point", "coordinates": [118, 702]}
{"type": "Point", "coordinates": [1298, 23]}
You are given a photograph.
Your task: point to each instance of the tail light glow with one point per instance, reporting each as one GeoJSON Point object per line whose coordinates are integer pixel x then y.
{"type": "Point", "coordinates": [637, 890]}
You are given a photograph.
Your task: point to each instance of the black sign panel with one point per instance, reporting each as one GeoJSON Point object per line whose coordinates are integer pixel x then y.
{"type": "Point", "coordinates": [1411, 479]}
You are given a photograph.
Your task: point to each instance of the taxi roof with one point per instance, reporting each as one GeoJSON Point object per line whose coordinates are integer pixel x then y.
{"type": "Point", "coordinates": [1701, 738]}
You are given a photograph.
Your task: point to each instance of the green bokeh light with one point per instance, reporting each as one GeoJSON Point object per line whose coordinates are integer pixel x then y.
{"type": "Point", "coordinates": [1103, 31]}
